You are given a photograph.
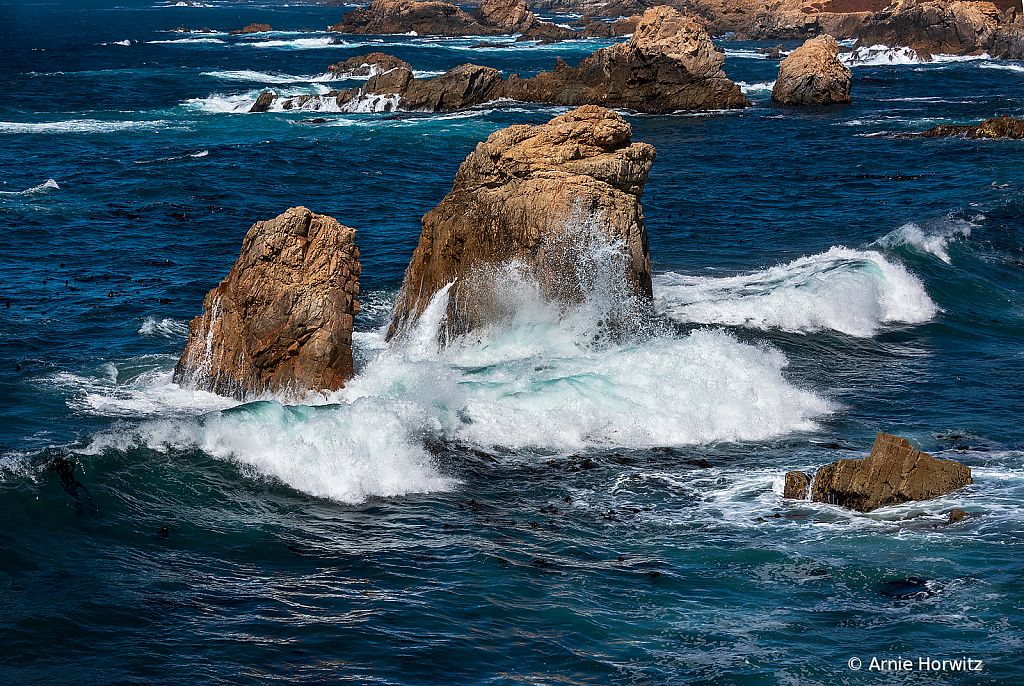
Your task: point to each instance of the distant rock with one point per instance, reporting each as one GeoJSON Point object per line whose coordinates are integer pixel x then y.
{"type": "Point", "coordinates": [998, 127]}
{"type": "Point", "coordinates": [282, 319]}
{"type": "Point", "coordinates": [509, 16]}
{"type": "Point", "coordinates": [893, 473]}
{"type": "Point", "coordinates": [252, 28]}
{"type": "Point", "coordinates": [797, 485]}
{"type": "Point", "coordinates": [547, 32]}
{"type": "Point", "coordinates": [263, 102]}
{"type": "Point", "coordinates": [669, 64]}
{"type": "Point", "coordinates": [514, 198]}
{"type": "Point", "coordinates": [774, 53]}
{"type": "Point", "coordinates": [813, 75]}
{"type": "Point", "coordinates": [367, 65]}
{"type": "Point", "coordinates": [406, 16]}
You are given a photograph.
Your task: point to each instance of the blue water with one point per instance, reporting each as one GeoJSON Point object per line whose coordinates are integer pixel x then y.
{"type": "Point", "coordinates": [526, 507]}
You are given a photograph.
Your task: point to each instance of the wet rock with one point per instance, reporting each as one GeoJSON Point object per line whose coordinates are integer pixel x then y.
{"type": "Point", "coordinates": [893, 473]}
{"type": "Point", "coordinates": [282, 319]}
{"type": "Point", "coordinates": [546, 32]}
{"type": "Point", "coordinates": [514, 198]}
{"type": "Point", "coordinates": [263, 102]}
{"type": "Point", "coordinates": [252, 28]}
{"type": "Point", "coordinates": [911, 588]}
{"type": "Point", "coordinates": [797, 485]}
{"type": "Point", "coordinates": [813, 75]}
{"type": "Point", "coordinates": [997, 127]}
{"type": "Point", "coordinates": [771, 53]}
{"type": "Point", "coordinates": [367, 65]}
{"type": "Point", "coordinates": [508, 16]}
{"type": "Point", "coordinates": [406, 16]}
{"type": "Point", "coordinates": [957, 515]}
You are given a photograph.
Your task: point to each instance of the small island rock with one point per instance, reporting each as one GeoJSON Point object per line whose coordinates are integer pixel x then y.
{"type": "Point", "coordinates": [813, 75]}
{"type": "Point", "coordinates": [251, 28]}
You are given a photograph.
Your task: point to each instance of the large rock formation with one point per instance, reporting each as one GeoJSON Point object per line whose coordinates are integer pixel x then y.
{"type": "Point", "coordinates": [282, 319]}
{"type": "Point", "coordinates": [251, 28]}
{"type": "Point", "coordinates": [669, 64]}
{"type": "Point", "coordinates": [941, 27]}
{"type": "Point", "coordinates": [515, 199]}
{"type": "Point", "coordinates": [997, 127]}
{"type": "Point", "coordinates": [893, 473]}
{"type": "Point", "coordinates": [367, 65]}
{"type": "Point", "coordinates": [511, 16]}
{"type": "Point", "coordinates": [813, 75]}
{"type": "Point", "coordinates": [492, 18]}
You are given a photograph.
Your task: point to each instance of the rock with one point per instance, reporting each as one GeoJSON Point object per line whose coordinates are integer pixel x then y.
{"type": "Point", "coordinates": [282, 319]}
{"type": "Point", "coordinates": [252, 28]}
{"type": "Point", "coordinates": [488, 44]}
{"type": "Point", "coordinates": [406, 16]}
{"type": "Point", "coordinates": [669, 64]}
{"type": "Point", "coordinates": [463, 86]}
{"type": "Point", "coordinates": [263, 102]}
{"type": "Point", "coordinates": [957, 515]}
{"type": "Point", "coordinates": [546, 32]}
{"type": "Point", "coordinates": [797, 485]}
{"type": "Point", "coordinates": [813, 75]}
{"type": "Point", "coordinates": [771, 53]}
{"type": "Point", "coordinates": [510, 16]}
{"type": "Point", "coordinates": [937, 27]}
{"type": "Point", "coordinates": [893, 473]}
{"type": "Point", "coordinates": [367, 65]}
{"type": "Point", "coordinates": [514, 199]}
{"type": "Point", "coordinates": [997, 127]}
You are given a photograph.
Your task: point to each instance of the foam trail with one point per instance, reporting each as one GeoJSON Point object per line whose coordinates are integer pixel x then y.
{"type": "Point", "coordinates": [879, 55]}
{"type": "Point", "coordinates": [41, 189]}
{"type": "Point", "coordinates": [85, 126]}
{"type": "Point", "coordinates": [932, 241]}
{"type": "Point", "coordinates": [855, 292]}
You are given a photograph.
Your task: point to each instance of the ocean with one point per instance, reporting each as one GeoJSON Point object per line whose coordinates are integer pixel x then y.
{"type": "Point", "coordinates": [523, 506]}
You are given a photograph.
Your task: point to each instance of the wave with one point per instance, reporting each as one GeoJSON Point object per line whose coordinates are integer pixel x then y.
{"type": "Point", "coordinates": [188, 41]}
{"type": "Point", "coordinates": [164, 328]}
{"type": "Point", "coordinates": [251, 76]}
{"type": "Point", "coordinates": [86, 126]}
{"type": "Point", "coordinates": [855, 292]}
{"type": "Point", "coordinates": [759, 87]}
{"type": "Point", "coordinates": [1002, 65]}
{"type": "Point", "coordinates": [931, 240]}
{"type": "Point", "coordinates": [879, 55]}
{"type": "Point", "coordinates": [41, 189]}
{"type": "Point", "coordinates": [297, 43]}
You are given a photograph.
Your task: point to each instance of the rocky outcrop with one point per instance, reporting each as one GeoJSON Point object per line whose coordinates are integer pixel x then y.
{"type": "Point", "coordinates": [516, 199]}
{"type": "Point", "coordinates": [893, 473]}
{"type": "Point", "coordinates": [998, 127]}
{"type": "Point", "coordinates": [813, 75]}
{"type": "Point", "coordinates": [405, 16]}
{"type": "Point", "coordinates": [251, 28]}
{"type": "Point", "coordinates": [510, 16]}
{"type": "Point", "coordinates": [797, 485]}
{"type": "Point", "coordinates": [263, 102]}
{"type": "Point", "coordinates": [669, 64]}
{"type": "Point", "coordinates": [941, 27]}
{"type": "Point", "coordinates": [282, 319]}
{"type": "Point", "coordinates": [367, 65]}
{"type": "Point", "coordinates": [594, 28]}
{"type": "Point", "coordinates": [546, 32]}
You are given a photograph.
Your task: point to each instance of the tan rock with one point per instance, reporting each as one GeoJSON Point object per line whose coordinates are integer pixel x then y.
{"type": "Point", "coordinates": [893, 473]}
{"type": "Point", "coordinates": [367, 65]}
{"type": "Point", "coordinates": [797, 485]}
{"type": "Point", "coordinates": [282, 319]}
{"type": "Point", "coordinates": [937, 27]}
{"type": "Point", "coordinates": [996, 127]}
{"type": "Point", "coordinates": [511, 16]}
{"type": "Point", "coordinates": [514, 198]}
{"type": "Point", "coordinates": [813, 75]}
{"type": "Point", "coordinates": [957, 515]}
{"type": "Point", "coordinates": [252, 28]}
{"type": "Point", "coordinates": [403, 16]}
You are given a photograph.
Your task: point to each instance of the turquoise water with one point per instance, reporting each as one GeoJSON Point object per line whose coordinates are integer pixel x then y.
{"type": "Point", "coordinates": [459, 515]}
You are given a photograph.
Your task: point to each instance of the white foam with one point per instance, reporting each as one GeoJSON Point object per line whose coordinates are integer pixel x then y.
{"type": "Point", "coordinates": [879, 55]}
{"type": "Point", "coordinates": [1002, 65]}
{"type": "Point", "coordinates": [372, 103]}
{"type": "Point", "coordinates": [84, 126]}
{"type": "Point", "coordinates": [855, 292]}
{"type": "Point", "coordinates": [187, 41]}
{"type": "Point", "coordinates": [295, 44]}
{"type": "Point", "coordinates": [760, 87]}
{"type": "Point", "coordinates": [251, 76]}
{"type": "Point", "coordinates": [165, 328]}
{"type": "Point", "coordinates": [41, 189]}
{"type": "Point", "coordinates": [931, 240]}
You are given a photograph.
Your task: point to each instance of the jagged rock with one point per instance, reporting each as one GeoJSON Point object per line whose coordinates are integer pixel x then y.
{"type": "Point", "coordinates": [546, 32]}
{"type": "Point", "coordinates": [405, 16]}
{"type": "Point", "coordinates": [514, 198]}
{"type": "Point", "coordinates": [893, 473]}
{"type": "Point", "coordinates": [957, 515]}
{"type": "Point", "coordinates": [937, 27]}
{"type": "Point", "coordinates": [797, 485]}
{"type": "Point", "coordinates": [282, 319]}
{"type": "Point", "coordinates": [510, 16]}
{"type": "Point", "coordinates": [263, 102]}
{"type": "Point", "coordinates": [997, 127]}
{"type": "Point", "coordinates": [367, 65]}
{"type": "Point", "coordinates": [463, 86]}
{"type": "Point", "coordinates": [774, 53]}
{"type": "Point", "coordinates": [669, 64]}
{"type": "Point", "coordinates": [813, 75]}
{"type": "Point", "coordinates": [252, 28]}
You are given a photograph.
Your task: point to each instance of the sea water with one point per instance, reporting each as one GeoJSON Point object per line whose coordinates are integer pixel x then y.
{"type": "Point", "coordinates": [528, 504]}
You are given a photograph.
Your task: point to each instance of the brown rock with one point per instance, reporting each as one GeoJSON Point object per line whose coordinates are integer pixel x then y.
{"type": "Point", "coordinates": [282, 319]}
{"type": "Point", "coordinates": [252, 28]}
{"type": "Point", "coordinates": [464, 86]}
{"type": "Point", "coordinates": [514, 198]}
{"type": "Point", "coordinates": [547, 32]}
{"type": "Point", "coordinates": [937, 27]}
{"type": "Point", "coordinates": [263, 102]}
{"type": "Point", "coordinates": [404, 16]}
{"type": "Point", "coordinates": [797, 485]}
{"type": "Point", "coordinates": [893, 473]}
{"type": "Point", "coordinates": [510, 16]}
{"type": "Point", "coordinates": [367, 65]}
{"type": "Point", "coordinates": [669, 64]}
{"type": "Point", "coordinates": [997, 127]}
{"type": "Point", "coordinates": [957, 515]}
{"type": "Point", "coordinates": [813, 75]}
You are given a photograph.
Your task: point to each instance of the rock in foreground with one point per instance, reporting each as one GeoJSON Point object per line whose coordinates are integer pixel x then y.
{"type": "Point", "coordinates": [282, 319]}
{"type": "Point", "coordinates": [813, 75]}
{"type": "Point", "coordinates": [893, 473]}
{"type": "Point", "coordinates": [515, 198]}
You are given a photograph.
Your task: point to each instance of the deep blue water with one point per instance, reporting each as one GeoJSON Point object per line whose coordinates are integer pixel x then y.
{"type": "Point", "coordinates": [526, 508]}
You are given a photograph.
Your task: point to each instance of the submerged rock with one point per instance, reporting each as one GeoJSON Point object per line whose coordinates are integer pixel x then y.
{"type": "Point", "coordinates": [516, 198]}
{"type": "Point", "coordinates": [813, 75]}
{"type": "Point", "coordinates": [893, 473]}
{"type": "Point", "coordinates": [997, 127]}
{"type": "Point", "coordinates": [282, 319]}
